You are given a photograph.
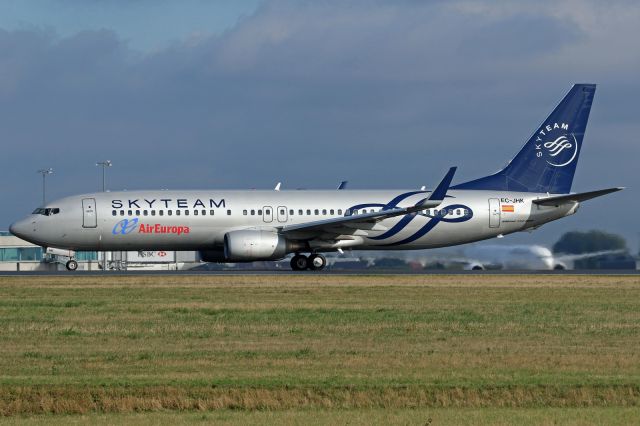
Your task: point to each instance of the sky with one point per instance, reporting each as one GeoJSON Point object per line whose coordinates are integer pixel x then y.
{"type": "Point", "coordinates": [244, 94]}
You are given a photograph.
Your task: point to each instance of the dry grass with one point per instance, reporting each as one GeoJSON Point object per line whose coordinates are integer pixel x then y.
{"type": "Point", "coordinates": [87, 344]}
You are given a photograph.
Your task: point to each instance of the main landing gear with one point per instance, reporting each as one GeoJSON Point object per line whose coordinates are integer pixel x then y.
{"type": "Point", "coordinates": [71, 265]}
{"type": "Point", "coordinates": [315, 262]}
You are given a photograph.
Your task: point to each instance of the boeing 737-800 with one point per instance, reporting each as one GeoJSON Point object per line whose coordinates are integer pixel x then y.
{"type": "Point", "coordinates": [244, 226]}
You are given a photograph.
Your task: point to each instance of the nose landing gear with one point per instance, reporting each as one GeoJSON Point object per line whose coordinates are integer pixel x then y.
{"type": "Point", "coordinates": [71, 265]}
{"type": "Point", "coordinates": [315, 262]}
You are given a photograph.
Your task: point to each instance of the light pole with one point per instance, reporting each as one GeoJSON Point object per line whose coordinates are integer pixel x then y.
{"type": "Point", "coordinates": [44, 173]}
{"type": "Point", "coordinates": [104, 165]}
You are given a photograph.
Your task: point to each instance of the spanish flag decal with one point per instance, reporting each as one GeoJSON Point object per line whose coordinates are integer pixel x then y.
{"type": "Point", "coordinates": [507, 208]}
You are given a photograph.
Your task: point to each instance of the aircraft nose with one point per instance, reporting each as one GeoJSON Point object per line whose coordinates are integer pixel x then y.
{"type": "Point", "coordinates": [19, 228]}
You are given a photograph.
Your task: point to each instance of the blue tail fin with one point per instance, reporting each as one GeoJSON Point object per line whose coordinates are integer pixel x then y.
{"type": "Point", "coordinates": [547, 162]}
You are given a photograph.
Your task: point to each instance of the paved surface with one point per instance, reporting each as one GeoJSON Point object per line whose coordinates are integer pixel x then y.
{"type": "Point", "coordinates": [328, 272]}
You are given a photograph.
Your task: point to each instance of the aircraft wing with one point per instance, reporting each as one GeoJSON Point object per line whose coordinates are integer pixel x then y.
{"type": "Point", "coordinates": [572, 198]}
{"type": "Point", "coordinates": [367, 221]}
{"type": "Point", "coordinates": [574, 257]}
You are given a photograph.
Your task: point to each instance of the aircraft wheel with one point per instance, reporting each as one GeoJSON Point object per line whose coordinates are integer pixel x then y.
{"type": "Point", "coordinates": [477, 268]}
{"type": "Point", "coordinates": [299, 262]}
{"type": "Point", "coordinates": [71, 265]}
{"type": "Point", "coordinates": [317, 262]}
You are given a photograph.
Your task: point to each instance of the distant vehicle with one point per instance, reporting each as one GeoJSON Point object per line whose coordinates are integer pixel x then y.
{"type": "Point", "coordinates": [245, 226]}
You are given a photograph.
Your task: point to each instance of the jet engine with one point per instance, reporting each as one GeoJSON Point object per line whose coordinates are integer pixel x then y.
{"type": "Point", "coordinates": [251, 245]}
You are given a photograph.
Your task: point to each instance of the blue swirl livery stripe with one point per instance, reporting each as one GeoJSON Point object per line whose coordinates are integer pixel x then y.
{"type": "Point", "coordinates": [406, 220]}
{"type": "Point", "coordinates": [390, 205]}
{"type": "Point", "coordinates": [394, 203]}
{"type": "Point", "coordinates": [435, 220]}
{"type": "Point", "coordinates": [402, 223]}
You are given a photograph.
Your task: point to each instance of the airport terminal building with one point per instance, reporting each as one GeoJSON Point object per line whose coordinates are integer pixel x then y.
{"type": "Point", "coordinates": [19, 255]}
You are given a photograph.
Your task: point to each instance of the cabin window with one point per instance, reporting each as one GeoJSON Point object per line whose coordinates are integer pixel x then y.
{"type": "Point", "coordinates": [228, 212]}
{"type": "Point", "coordinates": [340, 211]}
{"type": "Point", "coordinates": [308, 212]}
{"type": "Point", "coordinates": [331, 211]}
{"type": "Point", "coordinates": [259, 212]}
{"type": "Point", "coordinates": [253, 212]}
{"type": "Point", "coordinates": [129, 213]}
{"type": "Point", "coordinates": [153, 212]}
{"type": "Point", "coordinates": [145, 212]}
{"type": "Point", "coordinates": [300, 212]}
{"type": "Point", "coordinates": [244, 212]}
{"type": "Point", "coordinates": [121, 212]}
{"type": "Point", "coordinates": [283, 212]}
{"type": "Point", "coordinates": [177, 212]}
{"type": "Point", "coordinates": [169, 212]}
{"type": "Point", "coordinates": [161, 212]}
{"type": "Point", "coordinates": [186, 212]}
{"type": "Point", "coordinates": [317, 212]}
{"type": "Point", "coordinates": [137, 212]}
{"type": "Point", "coordinates": [204, 212]}
{"type": "Point", "coordinates": [211, 212]}
{"type": "Point", "coordinates": [195, 212]}
{"type": "Point", "coordinates": [290, 212]}
{"type": "Point", "coordinates": [113, 213]}
{"type": "Point", "coordinates": [324, 212]}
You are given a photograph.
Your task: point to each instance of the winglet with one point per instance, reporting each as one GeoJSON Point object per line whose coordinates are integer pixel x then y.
{"type": "Point", "coordinates": [439, 193]}
{"type": "Point", "coordinates": [343, 184]}
{"type": "Point", "coordinates": [277, 188]}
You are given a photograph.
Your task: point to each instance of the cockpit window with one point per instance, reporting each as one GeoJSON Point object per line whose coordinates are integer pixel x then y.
{"type": "Point", "coordinates": [47, 211]}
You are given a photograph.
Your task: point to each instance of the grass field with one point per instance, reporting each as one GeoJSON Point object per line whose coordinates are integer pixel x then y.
{"type": "Point", "coordinates": [286, 349]}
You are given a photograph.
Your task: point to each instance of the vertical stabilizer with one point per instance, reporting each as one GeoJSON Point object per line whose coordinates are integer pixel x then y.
{"type": "Point", "coordinates": [548, 160]}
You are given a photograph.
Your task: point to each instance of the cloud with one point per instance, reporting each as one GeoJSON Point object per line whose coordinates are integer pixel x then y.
{"type": "Point", "coordinates": [386, 94]}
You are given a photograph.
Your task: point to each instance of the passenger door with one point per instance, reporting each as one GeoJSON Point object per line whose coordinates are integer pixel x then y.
{"type": "Point", "coordinates": [494, 213]}
{"type": "Point", "coordinates": [89, 217]}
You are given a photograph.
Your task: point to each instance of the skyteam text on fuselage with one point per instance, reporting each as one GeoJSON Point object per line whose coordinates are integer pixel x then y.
{"type": "Point", "coordinates": [244, 226]}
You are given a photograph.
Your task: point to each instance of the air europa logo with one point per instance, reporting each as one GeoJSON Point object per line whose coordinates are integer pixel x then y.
{"type": "Point", "coordinates": [126, 226]}
{"type": "Point", "coordinates": [556, 145]}
{"type": "Point", "coordinates": [163, 229]}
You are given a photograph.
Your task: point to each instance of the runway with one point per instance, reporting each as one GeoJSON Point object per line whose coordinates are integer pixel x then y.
{"type": "Point", "coordinates": [586, 272]}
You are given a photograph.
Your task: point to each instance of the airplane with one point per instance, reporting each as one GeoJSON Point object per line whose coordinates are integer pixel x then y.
{"type": "Point", "coordinates": [478, 257]}
{"type": "Point", "coordinates": [523, 257]}
{"type": "Point", "coordinates": [256, 225]}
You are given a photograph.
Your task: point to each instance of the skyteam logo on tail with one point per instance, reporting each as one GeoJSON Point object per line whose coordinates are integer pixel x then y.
{"type": "Point", "coordinates": [556, 145]}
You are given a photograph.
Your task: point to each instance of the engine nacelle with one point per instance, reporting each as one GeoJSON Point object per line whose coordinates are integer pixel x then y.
{"type": "Point", "coordinates": [475, 267]}
{"type": "Point", "coordinates": [251, 245]}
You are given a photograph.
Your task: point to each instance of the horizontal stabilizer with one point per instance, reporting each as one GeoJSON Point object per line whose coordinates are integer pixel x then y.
{"type": "Point", "coordinates": [572, 198]}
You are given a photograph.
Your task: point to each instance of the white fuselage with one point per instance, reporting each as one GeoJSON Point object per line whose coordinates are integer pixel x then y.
{"type": "Point", "coordinates": [199, 220]}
